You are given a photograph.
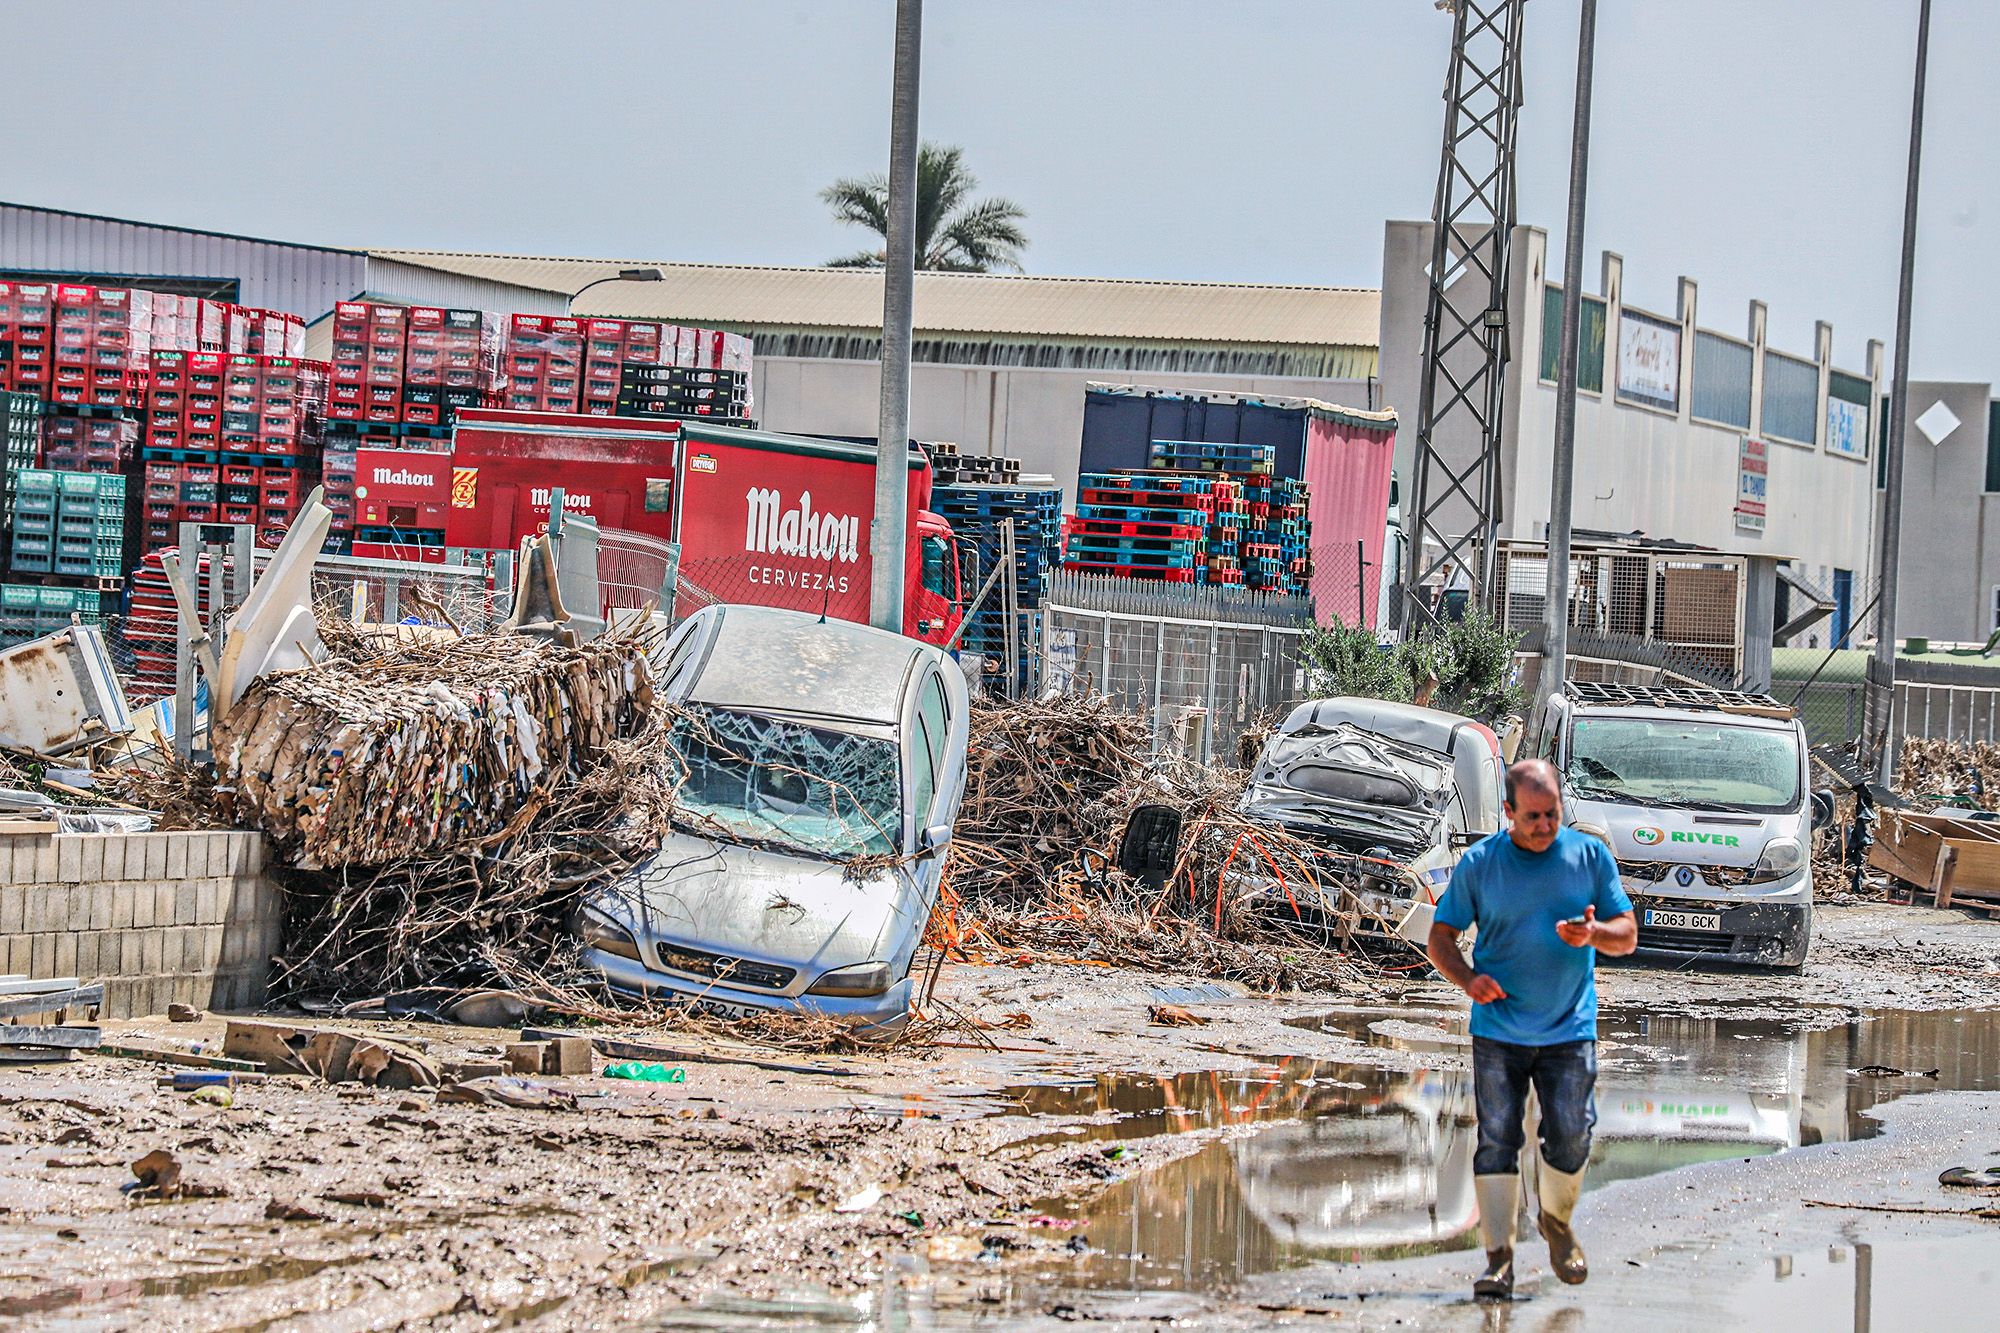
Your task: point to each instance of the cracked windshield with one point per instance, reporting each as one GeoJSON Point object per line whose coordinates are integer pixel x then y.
{"type": "Point", "coordinates": [826, 793]}
{"type": "Point", "coordinates": [1643, 762]}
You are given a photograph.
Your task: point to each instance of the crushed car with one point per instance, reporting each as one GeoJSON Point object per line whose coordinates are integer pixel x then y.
{"type": "Point", "coordinates": [824, 766]}
{"type": "Point", "coordinates": [1393, 793]}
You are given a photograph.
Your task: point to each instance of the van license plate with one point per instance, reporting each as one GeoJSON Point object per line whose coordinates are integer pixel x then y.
{"type": "Point", "coordinates": [1685, 920]}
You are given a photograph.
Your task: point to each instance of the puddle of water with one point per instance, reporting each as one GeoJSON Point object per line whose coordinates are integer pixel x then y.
{"type": "Point", "coordinates": [1930, 1284]}
{"type": "Point", "coordinates": [1371, 1163]}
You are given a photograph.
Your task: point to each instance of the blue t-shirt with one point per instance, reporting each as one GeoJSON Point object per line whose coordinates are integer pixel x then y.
{"type": "Point", "coordinates": [1516, 898]}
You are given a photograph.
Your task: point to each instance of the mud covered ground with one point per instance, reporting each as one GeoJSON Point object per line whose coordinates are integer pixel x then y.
{"type": "Point", "coordinates": [966, 1187]}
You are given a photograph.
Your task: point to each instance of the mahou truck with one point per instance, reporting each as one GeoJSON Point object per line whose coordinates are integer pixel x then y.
{"type": "Point", "coordinates": [761, 518]}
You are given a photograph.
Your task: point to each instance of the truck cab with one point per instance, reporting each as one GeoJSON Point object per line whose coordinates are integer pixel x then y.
{"type": "Point", "coordinates": [936, 601]}
{"type": "Point", "coordinates": [1702, 796]}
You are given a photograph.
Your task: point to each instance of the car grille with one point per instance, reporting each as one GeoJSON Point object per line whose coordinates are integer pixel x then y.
{"type": "Point", "coordinates": [735, 971]}
{"type": "Point", "coordinates": [1682, 940]}
{"type": "Point", "coordinates": [1653, 872]}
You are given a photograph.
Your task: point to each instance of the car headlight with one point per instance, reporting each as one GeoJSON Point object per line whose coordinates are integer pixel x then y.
{"type": "Point", "coordinates": [1599, 832]}
{"type": "Point", "coordinates": [860, 979]}
{"type": "Point", "coordinates": [603, 934]}
{"type": "Point", "coordinates": [1782, 857]}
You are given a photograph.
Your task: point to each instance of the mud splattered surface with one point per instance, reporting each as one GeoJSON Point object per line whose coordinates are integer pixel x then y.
{"type": "Point", "coordinates": [1274, 1167]}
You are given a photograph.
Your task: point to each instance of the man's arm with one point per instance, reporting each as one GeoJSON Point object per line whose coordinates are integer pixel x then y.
{"type": "Point", "coordinates": [1449, 959]}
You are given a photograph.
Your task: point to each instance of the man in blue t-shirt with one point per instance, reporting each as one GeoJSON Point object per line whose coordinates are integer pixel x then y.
{"type": "Point", "coordinates": [1544, 897]}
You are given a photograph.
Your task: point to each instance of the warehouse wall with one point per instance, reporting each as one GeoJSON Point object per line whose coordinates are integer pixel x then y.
{"type": "Point", "coordinates": [302, 279]}
{"type": "Point", "coordinates": [1661, 473]}
{"type": "Point", "coordinates": [1951, 521]}
{"type": "Point", "coordinates": [1033, 415]}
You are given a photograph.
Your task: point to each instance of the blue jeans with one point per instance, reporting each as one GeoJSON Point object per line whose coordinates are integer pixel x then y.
{"type": "Point", "coordinates": [1564, 1077]}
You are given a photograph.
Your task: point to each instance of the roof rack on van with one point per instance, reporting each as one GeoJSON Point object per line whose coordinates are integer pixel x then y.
{"type": "Point", "coordinates": [1692, 697]}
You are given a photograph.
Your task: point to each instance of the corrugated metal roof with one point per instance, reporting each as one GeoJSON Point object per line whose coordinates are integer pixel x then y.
{"type": "Point", "coordinates": [946, 303]}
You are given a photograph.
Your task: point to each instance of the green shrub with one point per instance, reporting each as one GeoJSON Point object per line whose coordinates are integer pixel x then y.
{"type": "Point", "coordinates": [1471, 659]}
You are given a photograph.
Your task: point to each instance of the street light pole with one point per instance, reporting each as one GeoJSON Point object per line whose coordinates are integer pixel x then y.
{"type": "Point", "coordinates": [622, 275]}
{"type": "Point", "coordinates": [889, 532]}
{"type": "Point", "coordinates": [1882, 688]}
{"type": "Point", "coordinates": [1562, 473]}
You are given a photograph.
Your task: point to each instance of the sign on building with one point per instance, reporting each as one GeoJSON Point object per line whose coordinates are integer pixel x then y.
{"type": "Point", "coordinates": [1649, 361]}
{"type": "Point", "coordinates": [1846, 428]}
{"type": "Point", "coordinates": [1753, 465]}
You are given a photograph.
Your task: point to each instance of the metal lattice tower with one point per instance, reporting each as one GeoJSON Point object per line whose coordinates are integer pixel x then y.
{"type": "Point", "coordinates": [1461, 397]}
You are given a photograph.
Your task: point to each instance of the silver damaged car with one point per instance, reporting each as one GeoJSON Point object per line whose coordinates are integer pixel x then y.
{"type": "Point", "coordinates": [825, 762]}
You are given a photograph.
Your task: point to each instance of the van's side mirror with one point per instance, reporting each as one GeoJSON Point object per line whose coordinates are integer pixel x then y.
{"type": "Point", "coordinates": [1822, 808]}
{"type": "Point", "coordinates": [934, 839]}
{"type": "Point", "coordinates": [1464, 838]}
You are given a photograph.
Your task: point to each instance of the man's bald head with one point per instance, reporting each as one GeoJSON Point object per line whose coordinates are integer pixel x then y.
{"type": "Point", "coordinates": [1537, 775]}
{"type": "Point", "coordinates": [1534, 804]}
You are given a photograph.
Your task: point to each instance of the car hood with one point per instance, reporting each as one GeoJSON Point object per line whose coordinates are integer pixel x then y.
{"type": "Point", "coordinates": [1684, 837]}
{"type": "Point", "coordinates": [756, 902]}
{"type": "Point", "coordinates": [1354, 823]}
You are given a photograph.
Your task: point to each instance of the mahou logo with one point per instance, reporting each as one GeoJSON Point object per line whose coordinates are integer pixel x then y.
{"type": "Point", "coordinates": [798, 531]}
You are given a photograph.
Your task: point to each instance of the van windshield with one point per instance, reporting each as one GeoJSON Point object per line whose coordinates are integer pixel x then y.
{"type": "Point", "coordinates": [825, 793]}
{"type": "Point", "coordinates": [1648, 761]}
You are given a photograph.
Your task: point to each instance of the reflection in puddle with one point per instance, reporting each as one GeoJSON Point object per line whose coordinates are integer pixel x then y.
{"type": "Point", "coordinates": [1373, 1164]}
{"type": "Point", "coordinates": [1934, 1283]}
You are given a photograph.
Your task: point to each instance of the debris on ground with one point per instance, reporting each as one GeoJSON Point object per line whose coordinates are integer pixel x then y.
{"type": "Point", "coordinates": [336, 1057]}
{"type": "Point", "coordinates": [1946, 772]}
{"type": "Point", "coordinates": [505, 1090]}
{"type": "Point", "coordinates": [1052, 786]}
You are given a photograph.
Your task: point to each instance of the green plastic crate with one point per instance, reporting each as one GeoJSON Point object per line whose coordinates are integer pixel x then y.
{"type": "Point", "coordinates": [59, 600]}
{"type": "Point", "coordinates": [35, 479]}
{"type": "Point", "coordinates": [19, 597]}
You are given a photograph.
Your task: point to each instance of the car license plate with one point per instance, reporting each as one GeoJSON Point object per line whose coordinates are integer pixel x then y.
{"type": "Point", "coordinates": [724, 1009]}
{"type": "Point", "coordinates": [1684, 920]}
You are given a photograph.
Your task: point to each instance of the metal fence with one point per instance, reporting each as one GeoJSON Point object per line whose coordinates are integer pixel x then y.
{"type": "Point", "coordinates": [1833, 712]}
{"type": "Point", "coordinates": [1203, 663]}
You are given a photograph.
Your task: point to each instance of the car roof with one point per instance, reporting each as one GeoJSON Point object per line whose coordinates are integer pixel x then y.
{"type": "Point", "coordinates": [765, 659]}
{"type": "Point", "coordinates": [1431, 728]}
{"type": "Point", "coordinates": [1713, 717]}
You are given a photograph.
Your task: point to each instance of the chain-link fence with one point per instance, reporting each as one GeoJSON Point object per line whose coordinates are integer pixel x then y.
{"type": "Point", "coordinates": [1202, 663]}
{"type": "Point", "coordinates": [1344, 585]}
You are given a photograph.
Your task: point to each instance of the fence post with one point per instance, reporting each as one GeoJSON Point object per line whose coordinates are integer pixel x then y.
{"type": "Point", "coordinates": [1104, 660]}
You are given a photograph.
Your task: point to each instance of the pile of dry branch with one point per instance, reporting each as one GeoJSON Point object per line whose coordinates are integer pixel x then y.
{"type": "Point", "coordinates": [1053, 784]}
{"type": "Point", "coordinates": [1934, 772]}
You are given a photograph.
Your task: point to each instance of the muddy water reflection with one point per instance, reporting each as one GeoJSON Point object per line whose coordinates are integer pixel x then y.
{"type": "Point", "coordinates": [1370, 1163]}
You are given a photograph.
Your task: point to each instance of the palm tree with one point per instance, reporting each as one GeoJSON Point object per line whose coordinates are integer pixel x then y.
{"type": "Point", "coordinates": [952, 234]}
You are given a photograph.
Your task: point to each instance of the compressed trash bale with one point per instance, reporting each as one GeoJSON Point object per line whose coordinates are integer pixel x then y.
{"type": "Point", "coordinates": [379, 754]}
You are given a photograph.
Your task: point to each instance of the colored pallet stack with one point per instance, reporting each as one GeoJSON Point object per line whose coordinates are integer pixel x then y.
{"type": "Point", "coordinates": [1205, 456]}
{"type": "Point", "coordinates": [976, 513]}
{"type": "Point", "coordinates": [542, 360]}
{"type": "Point", "coordinates": [68, 525]}
{"type": "Point", "coordinates": [28, 611]}
{"type": "Point", "coordinates": [956, 469]}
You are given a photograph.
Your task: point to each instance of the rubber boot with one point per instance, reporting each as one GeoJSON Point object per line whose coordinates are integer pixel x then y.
{"type": "Point", "coordinates": [1499, 1209]}
{"type": "Point", "coordinates": [1559, 1191]}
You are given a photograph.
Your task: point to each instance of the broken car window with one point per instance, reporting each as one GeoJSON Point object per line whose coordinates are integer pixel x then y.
{"type": "Point", "coordinates": [826, 793]}
{"type": "Point", "coordinates": [1642, 761]}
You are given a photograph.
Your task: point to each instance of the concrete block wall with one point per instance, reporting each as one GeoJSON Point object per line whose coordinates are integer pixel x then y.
{"type": "Point", "coordinates": [160, 918]}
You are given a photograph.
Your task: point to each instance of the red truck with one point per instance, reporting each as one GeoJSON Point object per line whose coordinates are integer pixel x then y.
{"type": "Point", "coordinates": [768, 519]}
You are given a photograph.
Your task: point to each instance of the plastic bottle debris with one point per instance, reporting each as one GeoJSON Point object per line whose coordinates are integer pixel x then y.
{"type": "Point", "coordinates": [640, 1072]}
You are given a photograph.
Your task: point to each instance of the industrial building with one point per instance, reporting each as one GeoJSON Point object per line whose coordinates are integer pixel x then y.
{"type": "Point", "coordinates": [1684, 433]}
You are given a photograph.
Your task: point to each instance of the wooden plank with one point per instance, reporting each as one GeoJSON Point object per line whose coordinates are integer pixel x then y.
{"type": "Point", "coordinates": [74, 998]}
{"type": "Point", "coordinates": [1942, 873]}
{"type": "Point", "coordinates": [30, 1034]}
{"type": "Point", "coordinates": [1904, 849]}
{"type": "Point", "coordinates": [618, 1048]}
{"type": "Point", "coordinates": [27, 828]}
{"type": "Point", "coordinates": [186, 1058]}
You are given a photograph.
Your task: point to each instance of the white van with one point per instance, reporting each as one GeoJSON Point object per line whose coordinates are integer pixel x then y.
{"type": "Point", "coordinates": [1702, 796]}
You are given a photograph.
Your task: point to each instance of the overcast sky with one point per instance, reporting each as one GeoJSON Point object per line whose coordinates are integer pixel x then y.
{"type": "Point", "coordinates": [1757, 146]}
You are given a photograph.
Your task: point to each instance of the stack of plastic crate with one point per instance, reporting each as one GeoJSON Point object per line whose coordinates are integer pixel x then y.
{"type": "Point", "coordinates": [20, 441]}
{"type": "Point", "coordinates": [976, 513]}
{"type": "Point", "coordinates": [69, 525]}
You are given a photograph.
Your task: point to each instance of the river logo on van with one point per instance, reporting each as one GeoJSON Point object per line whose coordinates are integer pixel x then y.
{"type": "Point", "coordinates": [1647, 836]}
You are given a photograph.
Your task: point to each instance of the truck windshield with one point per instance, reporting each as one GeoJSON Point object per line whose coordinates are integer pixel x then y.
{"type": "Point", "coordinates": [1655, 761]}
{"type": "Point", "coordinates": [825, 793]}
